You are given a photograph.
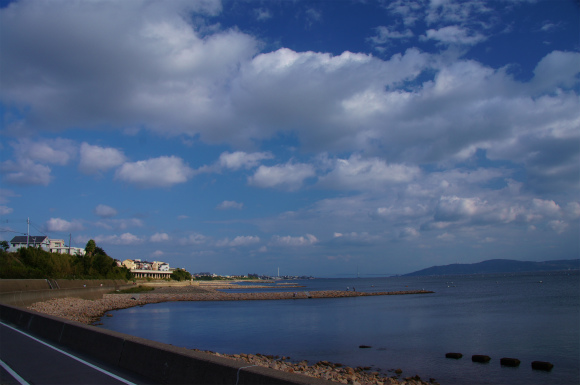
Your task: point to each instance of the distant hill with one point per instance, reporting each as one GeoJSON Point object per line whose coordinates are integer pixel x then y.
{"type": "Point", "coordinates": [498, 266]}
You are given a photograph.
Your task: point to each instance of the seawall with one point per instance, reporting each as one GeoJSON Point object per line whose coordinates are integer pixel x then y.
{"type": "Point", "coordinates": [162, 363]}
{"type": "Point", "coordinates": [25, 292]}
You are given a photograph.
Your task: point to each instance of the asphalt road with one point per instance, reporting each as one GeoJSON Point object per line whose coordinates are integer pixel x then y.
{"type": "Point", "coordinates": [25, 359]}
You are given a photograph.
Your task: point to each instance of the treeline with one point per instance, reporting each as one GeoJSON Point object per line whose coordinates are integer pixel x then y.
{"type": "Point", "coordinates": [33, 263]}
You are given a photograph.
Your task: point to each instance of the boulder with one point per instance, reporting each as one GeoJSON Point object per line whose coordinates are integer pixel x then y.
{"type": "Point", "coordinates": [542, 365]}
{"type": "Point", "coordinates": [480, 358]}
{"type": "Point", "coordinates": [506, 361]}
{"type": "Point", "coordinates": [365, 346]}
{"type": "Point", "coordinates": [454, 355]}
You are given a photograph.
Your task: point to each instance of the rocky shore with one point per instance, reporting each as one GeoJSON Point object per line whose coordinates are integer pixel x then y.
{"type": "Point", "coordinates": [90, 312]}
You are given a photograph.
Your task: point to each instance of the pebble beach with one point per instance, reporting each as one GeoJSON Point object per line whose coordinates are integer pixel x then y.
{"type": "Point", "coordinates": [90, 312]}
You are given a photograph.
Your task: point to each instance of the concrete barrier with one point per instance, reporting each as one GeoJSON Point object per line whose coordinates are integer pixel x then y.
{"type": "Point", "coordinates": [161, 363]}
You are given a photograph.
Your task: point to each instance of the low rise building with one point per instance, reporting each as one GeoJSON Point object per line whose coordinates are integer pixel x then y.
{"type": "Point", "coordinates": [37, 241]}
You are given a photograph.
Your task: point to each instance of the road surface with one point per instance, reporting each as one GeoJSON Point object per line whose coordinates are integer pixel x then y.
{"type": "Point", "coordinates": [25, 359]}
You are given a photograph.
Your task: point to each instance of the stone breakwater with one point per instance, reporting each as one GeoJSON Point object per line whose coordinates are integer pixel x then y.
{"type": "Point", "coordinates": [90, 311]}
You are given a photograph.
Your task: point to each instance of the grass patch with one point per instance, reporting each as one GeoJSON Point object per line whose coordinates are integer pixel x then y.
{"type": "Point", "coordinates": [137, 289]}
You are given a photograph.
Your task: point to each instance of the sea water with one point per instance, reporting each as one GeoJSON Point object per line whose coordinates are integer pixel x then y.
{"type": "Point", "coordinates": [529, 316]}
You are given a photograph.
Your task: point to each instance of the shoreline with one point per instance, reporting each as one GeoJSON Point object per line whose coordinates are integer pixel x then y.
{"type": "Point", "coordinates": [91, 311]}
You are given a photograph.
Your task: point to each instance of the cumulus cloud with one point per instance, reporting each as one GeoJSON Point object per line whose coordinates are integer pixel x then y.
{"type": "Point", "coordinates": [95, 159]}
{"type": "Point", "coordinates": [288, 240]}
{"type": "Point", "coordinates": [409, 233]}
{"type": "Point", "coordinates": [242, 240]}
{"type": "Point", "coordinates": [384, 34]}
{"type": "Point", "coordinates": [357, 173]}
{"type": "Point", "coordinates": [25, 172]}
{"type": "Point", "coordinates": [262, 14]}
{"type": "Point", "coordinates": [61, 225]}
{"type": "Point", "coordinates": [119, 224]}
{"type": "Point", "coordinates": [240, 159]}
{"type": "Point", "coordinates": [557, 69]}
{"type": "Point", "coordinates": [159, 237]}
{"type": "Point", "coordinates": [289, 176]}
{"type": "Point", "coordinates": [52, 151]}
{"type": "Point", "coordinates": [227, 205]}
{"type": "Point", "coordinates": [5, 210]}
{"type": "Point", "coordinates": [114, 54]}
{"type": "Point", "coordinates": [123, 239]}
{"type": "Point", "coordinates": [454, 35]}
{"type": "Point", "coordinates": [105, 211]}
{"type": "Point", "coordinates": [164, 171]}
{"type": "Point", "coordinates": [193, 239]}
{"type": "Point", "coordinates": [453, 208]}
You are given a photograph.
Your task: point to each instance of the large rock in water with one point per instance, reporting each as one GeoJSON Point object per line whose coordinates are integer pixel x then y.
{"type": "Point", "coordinates": [513, 362]}
{"type": "Point", "coordinates": [454, 355]}
{"type": "Point", "coordinates": [480, 358]}
{"type": "Point", "coordinates": [542, 365]}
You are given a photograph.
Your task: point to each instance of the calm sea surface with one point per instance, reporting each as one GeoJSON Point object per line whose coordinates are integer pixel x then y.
{"type": "Point", "coordinates": [532, 317]}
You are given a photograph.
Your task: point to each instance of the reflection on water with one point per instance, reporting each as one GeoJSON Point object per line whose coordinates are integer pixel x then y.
{"type": "Point", "coordinates": [497, 315]}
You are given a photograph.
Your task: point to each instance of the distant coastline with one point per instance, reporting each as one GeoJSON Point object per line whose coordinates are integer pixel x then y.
{"type": "Point", "coordinates": [498, 266]}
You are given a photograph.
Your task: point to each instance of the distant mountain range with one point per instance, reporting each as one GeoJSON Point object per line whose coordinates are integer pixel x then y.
{"type": "Point", "coordinates": [498, 266]}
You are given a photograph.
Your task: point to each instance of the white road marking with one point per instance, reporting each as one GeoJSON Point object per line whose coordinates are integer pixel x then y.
{"type": "Point", "coordinates": [16, 376]}
{"type": "Point", "coordinates": [71, 356]}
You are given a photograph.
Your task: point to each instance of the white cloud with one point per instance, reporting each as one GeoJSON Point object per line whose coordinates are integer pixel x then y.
{"type": "Point", "coordinates": [384, 35]}
{"type": "Point", "coordinates": [547, 208]}
{"type": "Point", "coordinates": [446, 237]}
{"type": "Point", "coordinates": [289, 176]}
{"type": "Point", "coordinates": [357, 173]}
{"type": "Point", "coordinates": [159, 237]}
{"type": "Point", "coordinates": [558, 226]}
{"type": "Point", "coordinates": [143, 61]}
{"type": "Point", "coordinates": [6, 194]}
{"type": "Point", "coordinates": [95, 159]}
{"type": "Point", "coordinates": [105, 211]}
{"type": "Point", "coordinates": [409, 233]}
{"type": "Point", "coordinates": [573, 210]}
{"type": "Point", "coordinates": [262, 14]}
{"type": "Point", "coordinates": [157, 254]}
{"type": "Point", "coordinates": [242, 240]}
{"type": "Point", "coordinates": [240, 159]}
{"type": "Point", "coordinates": [5, 210]}
{"type": "Point", "coordinates": [455, 35]}
{"type": "Point", "coordinates": [57, 151]}
{"type": "Point", "coordinates": [25, 172]}
{"type": "Point", "coordinates": [557, 69]}
{"type": "Point", "coordinates": [227, 205]}
{"type": "Point", "coordinates": [119, 224]}
{"type": "Point", "coordinates": [123, 239]}
{"type": "Point", "coordinates": [453, 208]}
{"type": "Point", "coordinates": [288, 240]}
{"type": "Point", "coordinates": [193, 239]}
{"type": "Point", "coordinates": [164, 171]}
{"type": "Point", "coordinates": [61, 225]}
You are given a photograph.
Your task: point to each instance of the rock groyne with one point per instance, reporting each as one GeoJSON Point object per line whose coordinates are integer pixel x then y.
{"type": "Point", "coordinates": [89, 311]}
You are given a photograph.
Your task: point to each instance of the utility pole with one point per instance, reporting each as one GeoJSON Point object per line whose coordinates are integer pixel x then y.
{"type": "Point", "coordinates": [69, 240]}
{"type": "Point", "coordinates": [27, 232]}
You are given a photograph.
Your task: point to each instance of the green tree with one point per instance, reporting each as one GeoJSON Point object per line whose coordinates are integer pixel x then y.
{"type": "Point", "coordinates": [180, 275]}
{"type": "Point", "coordinates": [4, 245]}
{"type": "Point", "coordinates": [90, 247]}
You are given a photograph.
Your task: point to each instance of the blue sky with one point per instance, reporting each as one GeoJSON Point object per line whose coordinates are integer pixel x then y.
{"type": "Point", "coordinates": [314, 136]}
